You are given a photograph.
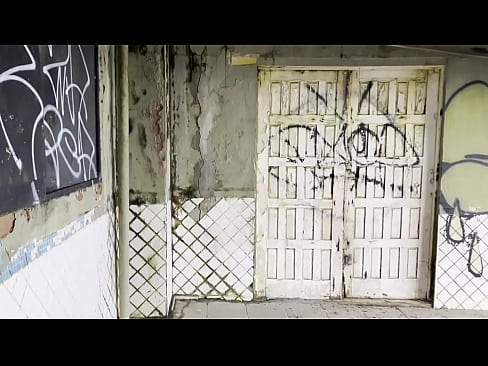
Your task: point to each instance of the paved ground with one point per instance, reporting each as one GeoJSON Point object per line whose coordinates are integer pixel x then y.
{"type": "Point", "coordinates": [325, 309]}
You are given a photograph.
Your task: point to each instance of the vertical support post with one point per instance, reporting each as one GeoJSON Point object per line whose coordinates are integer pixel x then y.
{"type": "Point", "coordinates": [167, 183]}
{"type": "Point", "coordinates": [122, 57]}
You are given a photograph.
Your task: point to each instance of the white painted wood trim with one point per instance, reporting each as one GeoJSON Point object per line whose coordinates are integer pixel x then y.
{"type": "Point", "coordinates": [435, 210]}
{"type": "Point", "coordinates": [260, 256]}
{"type": "Point", "coordinates": [435, 77]}
{"type": "Point", "coordinates": [337, 64]}
{"type": "Point", "coordinates": [339, 206]}
{"type": "Point", "coordinates": [348, 199]}
{"type": "Point", "coordinates": [169, 255]}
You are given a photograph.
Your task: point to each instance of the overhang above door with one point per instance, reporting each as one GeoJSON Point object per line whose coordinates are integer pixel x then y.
{"type": "Point", "coordinates": [479, 51]}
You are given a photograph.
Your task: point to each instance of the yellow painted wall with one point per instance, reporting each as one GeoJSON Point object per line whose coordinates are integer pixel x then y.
{"type": "Point", "coordinates": [465, 142]}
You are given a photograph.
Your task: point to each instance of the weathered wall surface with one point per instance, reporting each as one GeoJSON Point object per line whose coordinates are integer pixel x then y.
{"type": "Point", "coordinates": [21, 229]}
{"type": "Point", "coordinates": [149, 180]}
{"type": "Point", "coordinates": [215, 109]}
{"type": "Point", "coordinates": [147, 124]}
{"type": "Point", "coordinates": [462, 282]}
{"type": "Point", "coordinates": [213, 153]}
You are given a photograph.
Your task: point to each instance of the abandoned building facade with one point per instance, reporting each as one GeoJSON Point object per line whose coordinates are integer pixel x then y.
{"type": "Point", "coordinates": [131, 176]}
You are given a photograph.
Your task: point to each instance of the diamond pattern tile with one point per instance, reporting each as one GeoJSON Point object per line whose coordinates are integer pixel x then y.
{"type": "Point", "coordinates": [456, 286]}
{"type": "Point", "coordinates": [213, 249]}
{"type": "Point", "coordinates": [112, 259]}
{"type": "Point", "coordinates": [147, 263]}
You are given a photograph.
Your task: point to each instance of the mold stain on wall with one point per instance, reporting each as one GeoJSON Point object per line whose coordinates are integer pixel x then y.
{"type": "Point", "coordinates": [214, 109]}
{"type": "Point", "coordinates": [147, 131]}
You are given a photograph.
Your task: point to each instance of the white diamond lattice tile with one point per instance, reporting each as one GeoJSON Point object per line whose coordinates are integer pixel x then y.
{"type": "Point", "coordinates": [112, 249]}
{"type": "Point", "coordinates": [212, 249]}
{"type": "Point", "coordinates": [456, 286]}
{"type": "Point", "coordinates": [147, 263]}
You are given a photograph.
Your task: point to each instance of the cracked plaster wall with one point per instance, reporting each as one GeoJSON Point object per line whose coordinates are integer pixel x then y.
{"type": "Point", "coordinates": [215, 108]}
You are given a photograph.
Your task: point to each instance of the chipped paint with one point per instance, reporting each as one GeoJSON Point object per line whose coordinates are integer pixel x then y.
{"type": "Point", "coordinates": [99, 188]}
{"type": "Point", "coordinates": [214, 126]}
{"type": "Point", "coordinates": [7, 225]}
{"type": "Point", "coordinates": [79, 195]}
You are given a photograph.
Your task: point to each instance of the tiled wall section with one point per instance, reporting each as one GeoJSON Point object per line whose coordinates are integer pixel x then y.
{"type": "Point", "coordinates": [458, 287]}
{"type": "Point", "coordinates": [148, 258]}
{"type": "Point", "coordinates": [213, 248]}
{"type": "Point", "coordinates": [70, 274]}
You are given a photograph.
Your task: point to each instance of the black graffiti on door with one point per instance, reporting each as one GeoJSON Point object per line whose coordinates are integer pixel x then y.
{"type": "Point", "coordinates": [351, 147]}
{"type": "Point", "coordinates": [455, 198]}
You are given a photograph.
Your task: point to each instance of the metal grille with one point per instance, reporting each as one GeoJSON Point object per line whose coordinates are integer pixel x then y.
{"type": "Point", "coordinates": [456, 286]}
{"type": "Point", "coordinates": [147, 264]}
{"type": "Point", "coordinates": [213, 248]}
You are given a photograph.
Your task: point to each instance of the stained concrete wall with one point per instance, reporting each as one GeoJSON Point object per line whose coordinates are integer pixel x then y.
{"type": "Point", "coordinates": [215, 109]}
{"type": "Point", "coordinates": [147, 124]}
{"type": "Point", "coordinates": [21, 230]}
{"type": "Point", "coordinates": [149, 180]}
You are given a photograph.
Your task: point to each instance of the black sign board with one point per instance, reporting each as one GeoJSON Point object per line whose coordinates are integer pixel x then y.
{"type": "Point", "coordinates": [48, 122]}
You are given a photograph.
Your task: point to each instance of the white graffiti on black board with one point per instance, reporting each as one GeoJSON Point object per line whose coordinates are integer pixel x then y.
{"type": "Point", "coordinates": [62, 116]}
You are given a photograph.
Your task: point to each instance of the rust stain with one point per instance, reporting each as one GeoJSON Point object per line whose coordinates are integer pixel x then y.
{"type": "Point", "coordinates": [99, 189]}
{"type": "Point", "coordinates": [155, 128]}
{"type": "Point", "coordinates": [7, 225]}
{"type": "Point", "coordinates": [79, 195]}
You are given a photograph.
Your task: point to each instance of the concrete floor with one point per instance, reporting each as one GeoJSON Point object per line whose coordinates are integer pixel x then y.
{"type": "Point", "coordinates": [322, 309]}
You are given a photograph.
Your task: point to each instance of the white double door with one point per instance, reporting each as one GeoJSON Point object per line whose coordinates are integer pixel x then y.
{"type": "Point", "coordinates": [346, 182]}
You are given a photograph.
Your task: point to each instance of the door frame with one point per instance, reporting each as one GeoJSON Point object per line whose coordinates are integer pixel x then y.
{"type": "Point", "coordinates": [262, 144]}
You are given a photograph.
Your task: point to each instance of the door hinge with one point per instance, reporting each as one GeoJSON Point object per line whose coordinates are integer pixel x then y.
{"type": "Point", "coordinates": [347, 259]}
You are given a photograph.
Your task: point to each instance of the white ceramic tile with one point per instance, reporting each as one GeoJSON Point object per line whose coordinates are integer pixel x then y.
{"type": "Point", "coordinates": [32, 305]}
{"type": "Point", "coordinates": [9, 307]}
{"type": "Point", "coordinates": [223, 241]}
{"type": "Point", "coordinates": [456, 288]}
{"type": "Point", "coordinates": [150, 262]}
{"type": "Point", "coordinates": [18, 290]}
{"type": "Point", "coordinates": [66, 280]}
